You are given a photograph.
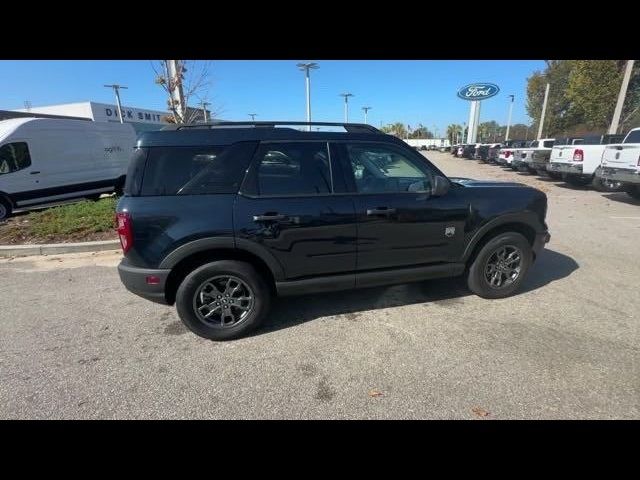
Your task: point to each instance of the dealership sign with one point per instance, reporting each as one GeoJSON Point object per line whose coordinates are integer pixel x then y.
{"type": "Point", "coordinates": [478, 91]}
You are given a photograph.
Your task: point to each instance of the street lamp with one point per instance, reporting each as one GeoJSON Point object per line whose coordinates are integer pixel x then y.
{"type": "Point", "coordinates": [346, 105]}
{"type": "Point", "coordinates": [116, 89]}
{"type": "Point", "coordinates": [366, 109]}
{"type": "Point", "coordinates": [305, 67]}
{"type": "Point", "coordinates": [204, 105]}
{"type": "Point", "coordinates": [509, 118]}
{"type": "Point", "coordinates": [253, 116]}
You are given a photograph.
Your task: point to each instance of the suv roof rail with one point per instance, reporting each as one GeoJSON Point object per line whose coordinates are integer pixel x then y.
{"type": "Point", "coordinates": [349, 127]}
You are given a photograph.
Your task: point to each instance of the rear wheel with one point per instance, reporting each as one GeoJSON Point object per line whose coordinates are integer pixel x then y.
{"type": "Point", "coordinates": [500, 266]}
{"type": "Point", "coordinates": [605, 185]}
{"type": "Point", "coordinates": [223, 300]}
{"type": "Point", "coordinates": [5, 208]}
{"type": "Point", "coordinates": [554, 175]}
{"type": "Point", "coordinates": [633, 191]}
{"type": "Point", "coordinates": [577, 180]}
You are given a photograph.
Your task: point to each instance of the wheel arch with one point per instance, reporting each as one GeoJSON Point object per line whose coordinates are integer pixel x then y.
{"type": "Point", "coordinates": [193, 255]}
{"type": "Point", "coordinates": [521, 225]}
{"type": "Point", "coordinates": [7, 197]}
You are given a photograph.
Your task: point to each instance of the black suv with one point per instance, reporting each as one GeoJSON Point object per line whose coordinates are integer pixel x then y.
{"type": "Point", "coordinates": [217, 218]}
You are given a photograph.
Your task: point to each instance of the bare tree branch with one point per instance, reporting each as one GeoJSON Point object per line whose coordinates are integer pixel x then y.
{"type": "Point", "coordinates": [194, 81]}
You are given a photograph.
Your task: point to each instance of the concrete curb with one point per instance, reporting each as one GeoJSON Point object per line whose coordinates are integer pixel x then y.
{"type": "Point", "coordinates": [56, 248]}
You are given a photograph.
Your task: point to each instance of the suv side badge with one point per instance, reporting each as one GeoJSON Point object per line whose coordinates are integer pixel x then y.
{"type": "Point", "coordinates": [449, 231]}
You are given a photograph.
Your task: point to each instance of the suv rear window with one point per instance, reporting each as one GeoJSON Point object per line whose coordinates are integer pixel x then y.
{"type": "Point", "coordinates": [291, 168]}
{"type": "Point", "coordinates": [196, 170]}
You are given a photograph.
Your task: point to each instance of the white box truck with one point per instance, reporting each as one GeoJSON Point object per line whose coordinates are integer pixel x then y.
{"type": "Point", "coordinates": [45, 161]}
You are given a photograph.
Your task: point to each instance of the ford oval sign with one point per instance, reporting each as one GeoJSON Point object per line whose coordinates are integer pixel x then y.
{"type": "Point", "coordinates": [478, 91]}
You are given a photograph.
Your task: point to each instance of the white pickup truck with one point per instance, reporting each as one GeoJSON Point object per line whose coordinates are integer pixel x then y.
{"type": "Point", "coordinates": [621, 163]}
{"type": "Point", "coordinates": [577, 163]}
{"type": "Point", "coordinates": [538, 151]}
{"type": "Point", "coordinates": [506, 152]}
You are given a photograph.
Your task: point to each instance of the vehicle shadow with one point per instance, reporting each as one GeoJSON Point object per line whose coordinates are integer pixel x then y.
{"type": "Point", "coordinates": [622, 197]}
{"type": "Point", "coordinates": [290, 311]}
{"type": "Point", "coordinates": [574, 186]}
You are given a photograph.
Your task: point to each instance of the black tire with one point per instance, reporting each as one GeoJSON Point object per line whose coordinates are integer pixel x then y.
{"type": "Point", "coordinates": [633, 191]}
{"type": "Point", "coordinates": [476, 280]}
{"type": "Point", "coordinates": [555, 175]}
{"type": "Point", "coordinates": [188, 289]}
{"type": "Point", "coordinates": [577, 181]}
{"type": "Point", "coordinates": [5, 208]}
{"type": "Point", "coordinates": [119, 186]}
{"type": "Point", "coordinates": [602, 185]}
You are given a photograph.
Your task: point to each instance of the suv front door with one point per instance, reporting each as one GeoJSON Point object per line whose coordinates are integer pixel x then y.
{"type": "Point", "coordinates": [400, 224]}
{"type": "Point", "coordinates": [287, 205]}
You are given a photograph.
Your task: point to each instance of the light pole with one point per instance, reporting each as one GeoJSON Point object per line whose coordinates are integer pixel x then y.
{"type": "Point", "coordinates": [509, 117]}
{"type": "Point", "coordinates": [613, 128]}
{"type": "Point", "coordinates": [305, 67]}
{"type": "Point", "coordinates": [116, 89]}
{"type": "Point", "coordinates": [544, 111]}
{"type": "Point", "coordinates": [253, 116]}
{"type": "Point", "coordinates": [346, 105]}
{"type": "Point", "coordinates": [366, 109]}
{"type": "Point", "coordinates": [204, 105]}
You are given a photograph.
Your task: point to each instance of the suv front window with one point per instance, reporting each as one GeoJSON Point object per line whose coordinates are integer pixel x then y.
{"type": "Point", "coordinates": [380, 169]}
{"type": "Point", "coordinates": [13, 157]}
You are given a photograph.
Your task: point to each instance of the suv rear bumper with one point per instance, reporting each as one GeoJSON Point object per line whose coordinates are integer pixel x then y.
{"type": "Point", "coordinates": [135, 280]}
{"type": "Point", "coordinates": [625, 175]}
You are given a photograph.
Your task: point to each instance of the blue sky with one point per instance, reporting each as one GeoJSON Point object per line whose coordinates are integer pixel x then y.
{"type": "Point", "coordinates": [408, 91]}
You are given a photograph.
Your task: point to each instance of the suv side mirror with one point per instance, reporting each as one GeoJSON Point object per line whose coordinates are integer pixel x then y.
{"type": "Point", "coordinates": [440, 186]}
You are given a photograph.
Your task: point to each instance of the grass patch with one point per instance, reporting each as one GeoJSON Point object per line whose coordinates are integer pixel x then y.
{"type": "Point", "coordinates": [82, 221]}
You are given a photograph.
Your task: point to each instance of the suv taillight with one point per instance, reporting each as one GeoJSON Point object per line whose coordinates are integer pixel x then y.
{"type": "Point", "coordinates": [578, 155]}
{"type": "Point", "coordinates": [125, 232]}
{"type": "Point", "coordinates": [507, 154]}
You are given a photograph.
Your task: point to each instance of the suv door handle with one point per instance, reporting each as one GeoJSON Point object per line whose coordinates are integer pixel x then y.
{"type": "Point", "coordinates": [34, 173]}
{"type": "Point", "coordinates": [381, 211]}
{"type": "Point", "coordinates": [269, 217]}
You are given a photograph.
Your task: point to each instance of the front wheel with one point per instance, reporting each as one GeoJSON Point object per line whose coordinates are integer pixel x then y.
{"type": "Point", "coordinates": [223, 300]}
{"type": "Point", "coordinates": [500, 266]}
{"type": "Point", "coordinates": [5, 209]}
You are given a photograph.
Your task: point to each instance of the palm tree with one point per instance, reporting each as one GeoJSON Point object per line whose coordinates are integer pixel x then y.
{"type": "Point", "coordinates": [399, 130]}
{"type": "Point", "coordinates": [452, 132]}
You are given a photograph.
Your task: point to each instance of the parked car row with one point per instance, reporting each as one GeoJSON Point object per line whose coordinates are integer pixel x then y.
{"type": "Point", "coordinates": [605, 162]}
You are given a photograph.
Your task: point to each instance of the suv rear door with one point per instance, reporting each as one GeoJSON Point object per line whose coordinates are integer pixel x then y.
{"type": "Point", "coordinates": [399, 223]}
{"type": "Point", "coordinates": [292, 205]}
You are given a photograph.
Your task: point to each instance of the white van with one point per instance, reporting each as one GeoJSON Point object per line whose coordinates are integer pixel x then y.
{"type": "Point", "coordinates": [46, 160]}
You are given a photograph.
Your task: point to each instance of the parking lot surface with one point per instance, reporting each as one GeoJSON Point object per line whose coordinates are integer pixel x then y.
{"type": "Point", "coordinates": [75, 344]}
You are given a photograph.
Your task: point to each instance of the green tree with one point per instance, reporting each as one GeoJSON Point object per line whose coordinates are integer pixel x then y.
{"type": "Point", "coordinates": [398, 129]}
{"type": "Point", "coordinates": [593, 90]}
{"type": "Point", "coordinates": [421, 132]}
{"type": "Point", "coordinates": [559, 115]}
{"type": "Point", "coordinates": [454, 132]}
